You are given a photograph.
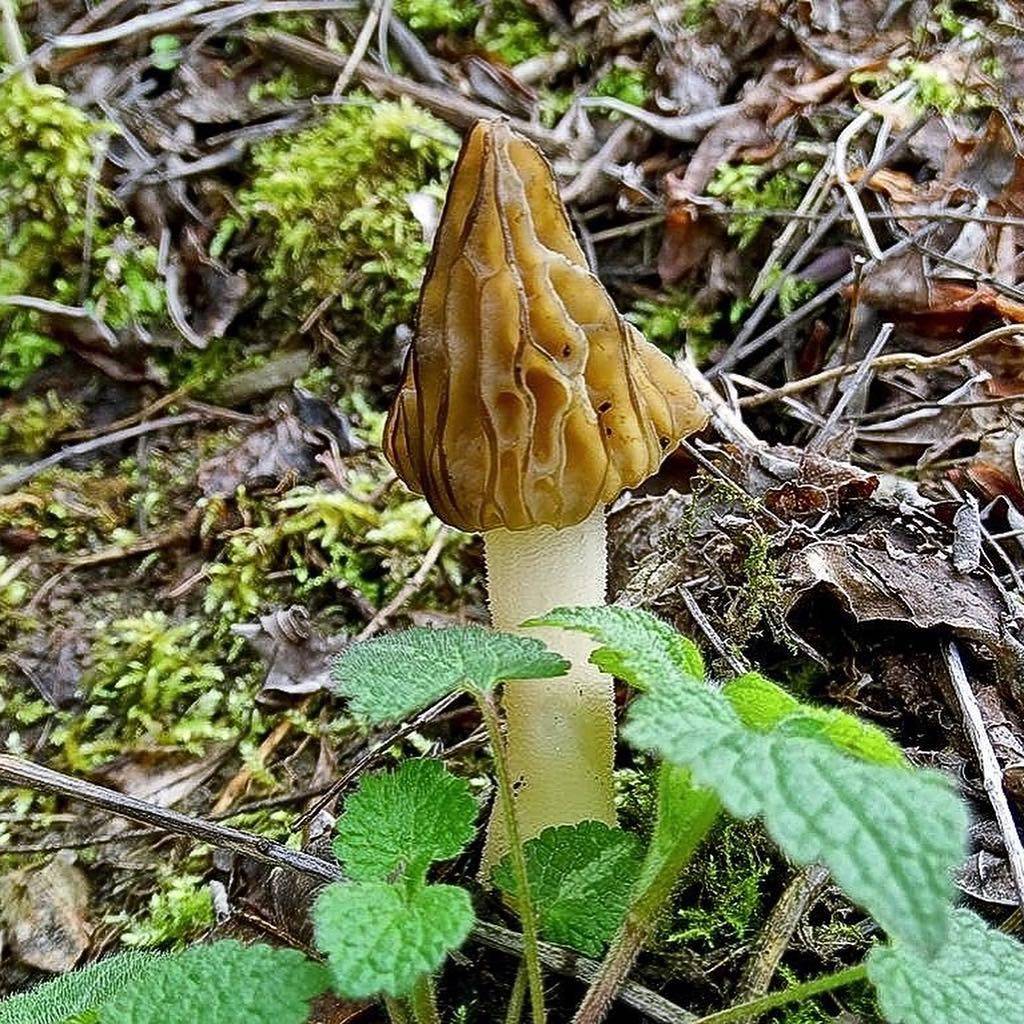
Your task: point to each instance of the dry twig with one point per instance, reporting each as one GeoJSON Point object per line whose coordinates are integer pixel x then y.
{"type": "Point", "coordinates": [991, 771]}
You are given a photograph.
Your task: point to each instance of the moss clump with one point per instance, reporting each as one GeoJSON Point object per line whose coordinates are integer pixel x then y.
{"type": "Point", "coordinates": [328, 210]}
{"type": "Point", "coordinates": [629, 84]}
{"type": "Point", "coordinates": [27, 428]}
{"type": "Point", "coordinates": [70, 510]}
{"type": "Point", "coordinates": [12, 590]}
{"type": "Point", "coordinates": [47, 171]}
{"type": "Point", "coordinates": [180, 910]}
{"type": "Point", "coordinates": [752, 187]}
{"type": "Point", "coordinates": [512, 31]}
{"type": "Point", "coordinates": [317, 541]}
{"type": "Point", "coordinates": [438, 15]}
{"type": "Point", "coordinates": [151, 683]}
{"type": "Point", "coordinates": [723, 890]}
{"type": "Point", "coordinates": [676, 319]}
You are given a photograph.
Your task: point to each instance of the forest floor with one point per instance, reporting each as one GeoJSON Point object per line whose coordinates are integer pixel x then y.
{"type": "Point", "coordinates": [215, 217]}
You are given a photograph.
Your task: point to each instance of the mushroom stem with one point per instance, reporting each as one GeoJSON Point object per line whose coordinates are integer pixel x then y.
{"type": "Point", "coordinates": [560, 733]}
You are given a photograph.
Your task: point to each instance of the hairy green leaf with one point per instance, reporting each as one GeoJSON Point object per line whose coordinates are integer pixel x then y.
{"type": "Point", "coordinates": [889, 835]}
{"type": "Point", "coordinates": [977, 976]}
{"type": "Point", "coordinates": [645, 650]}
{"type": "Point", "coordinates": [581, 878]}
{"type": "Point", "coordinates": [401, 822]}
{"type": "Point", "coordinates": [763, 705]}
{"type": "Point", "coordinates": [391, 677]}
{"type": "Point", "coordinates": [77, 993]}
{"type": "Point", "coordinates": [685, 814]}
{"type": "Point", "coordinates": [231, 983]}
{"type": "Point", "coordinates": [380, 938]}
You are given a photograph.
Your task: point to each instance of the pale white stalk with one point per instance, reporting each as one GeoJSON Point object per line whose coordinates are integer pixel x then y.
{"type": "Point", "coordinates": [560, 732]}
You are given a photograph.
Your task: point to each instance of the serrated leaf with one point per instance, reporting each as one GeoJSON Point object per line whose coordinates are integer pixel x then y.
{"type": "Point", "coordinates": [380, 938]}
{"type": "Point", "coordinates": [581, 879]}
{"type": "Point", "coordinates": [977, 976]}
{"type": "Point", "coordinates": [76, 993]}
{"type": "Point", "coordinates": [401, 822]}
{"type": "Point", "coordinates": [224, 983]}
{"type": "Point", "coordinates": [764, 706]}
{"type": "Point", "coordinates": [391, 677]}
{"type": "Point", "coordinates": [890, 836]}
{"type": "Point", "coordinates": [646, 647]}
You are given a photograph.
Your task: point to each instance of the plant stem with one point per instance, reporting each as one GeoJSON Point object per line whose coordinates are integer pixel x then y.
{"type": "Point", "coordinates": [397, 1011]}
{"type": "Point", "coordinates": [755, 1007]}
{"type": "Point", "coordinates": [514, 1013]}
{"type": "Point", "coordinates": [13, 44]}
{"type": "Point", "coordinates": [527, 916]}
{"type": "Point", "coordinates": [424, 1003]}
{"type": "Point", "coordinates": [658, 882]}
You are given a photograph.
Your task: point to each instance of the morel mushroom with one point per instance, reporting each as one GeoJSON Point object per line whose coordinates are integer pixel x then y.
{"type": "Point", "coordinates": [528, 403]}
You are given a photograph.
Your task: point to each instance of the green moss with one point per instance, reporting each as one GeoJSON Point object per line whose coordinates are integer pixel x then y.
{"type": "Point", "coordinates": [675, 320]}
{"type": "Point", "coordinates": [316, 540]}
{"type": "Point", "coordinates": [151, 682]}
{"type": "Point", "coordinates": [438, 15]}
{"type": "Point", "coordinates": [552, 104]}
{"type": "Point", "coordinates": [71, 510]}
{"type": "Point", "coordinates": [180, 910]}
{"type": "Point", "coordinates": [752, 187]}
{"type": "Point", "coordinates": [27, 428]}
{"type": "Point", "coordinates": [513, 31]}
{"type": "Point", "coordinates": [762, 597]}
{"type": "Point", "coordinates": [628, 84]}
{"type": "Point", "coordinates": [329, 211]}
{"type": "Point", "coordinates": [722, 894]}
{"type": "Point", "coordinates": [47, 171]}
{"type": "Point", "coordinates": [12, 591]}
{"type": "Point", "coordinates": [200, 371]}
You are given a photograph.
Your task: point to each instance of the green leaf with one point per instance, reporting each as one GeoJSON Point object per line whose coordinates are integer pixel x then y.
{"type": "Point", "coordinates": [645, 648]}
{"type": "Point", "coordinates": [764, 706]}
{"type": "Point", "coordinates": [379, 938]}
{"type": "Point", "coordinates": [232, 983]}
{"type": "Point", "coordinates": [581, 878]}
{"type": "Point", "coordinates": [403, 821]}
{"type": "Point", "coordinates": [977, 976]}
{"type": "Point", "coordinates": [391, 677]}
{"type": "Point", "coordinates": [79, 992]}
{"type": "Point", "coordinates": [685, 814]}
{"type": "Point", "coordinates": [889, 835]}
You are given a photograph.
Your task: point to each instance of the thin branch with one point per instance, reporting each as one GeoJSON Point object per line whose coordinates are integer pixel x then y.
{"type": "Point", "coordinates": [18, 772]}
{"type": "Point", "coordinates": [13, 480]}
{"type": "Point", "coordinates": [775, 936]}
{"type": "Point", "coordinates": [846, 136]}
{"type": "Point", "coordinates": [991, 771]}
{"type": "Point", "coordinates": [362, 44]}
{"type": "Point", "coordinates": [861, 377]}
{"type": "Point", "coordinates": [892, 361]}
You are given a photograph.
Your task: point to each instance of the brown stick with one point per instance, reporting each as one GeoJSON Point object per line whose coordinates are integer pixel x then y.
{"type": "Point", "coordinates": [892, 361]}
{"type": "Point", "coordinates": [446, 103]}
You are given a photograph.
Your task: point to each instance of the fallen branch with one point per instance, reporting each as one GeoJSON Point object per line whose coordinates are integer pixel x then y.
{"type": "Point", "coordinates": [445, 103]}
{"type": "Point", "coordinates": [892, 361]}
{"type": "Point", "coordinates": [991, 771]}
{"type": "Point", "coordinates": [14, 480]}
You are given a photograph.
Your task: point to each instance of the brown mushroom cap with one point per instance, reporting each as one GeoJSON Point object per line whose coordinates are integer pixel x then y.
{"type": "Point", "coordinates": [527, 399]}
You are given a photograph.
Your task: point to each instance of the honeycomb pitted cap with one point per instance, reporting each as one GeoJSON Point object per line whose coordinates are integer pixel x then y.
{"type": "Point", "coordinates": [527, 399]}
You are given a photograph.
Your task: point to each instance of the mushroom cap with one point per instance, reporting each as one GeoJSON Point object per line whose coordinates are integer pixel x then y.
{"type": "Point", "coordinates": [527, 399]}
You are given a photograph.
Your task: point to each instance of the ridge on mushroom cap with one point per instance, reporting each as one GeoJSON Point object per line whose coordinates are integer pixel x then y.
{"type": "Point", "coordinates": [526, 399]}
